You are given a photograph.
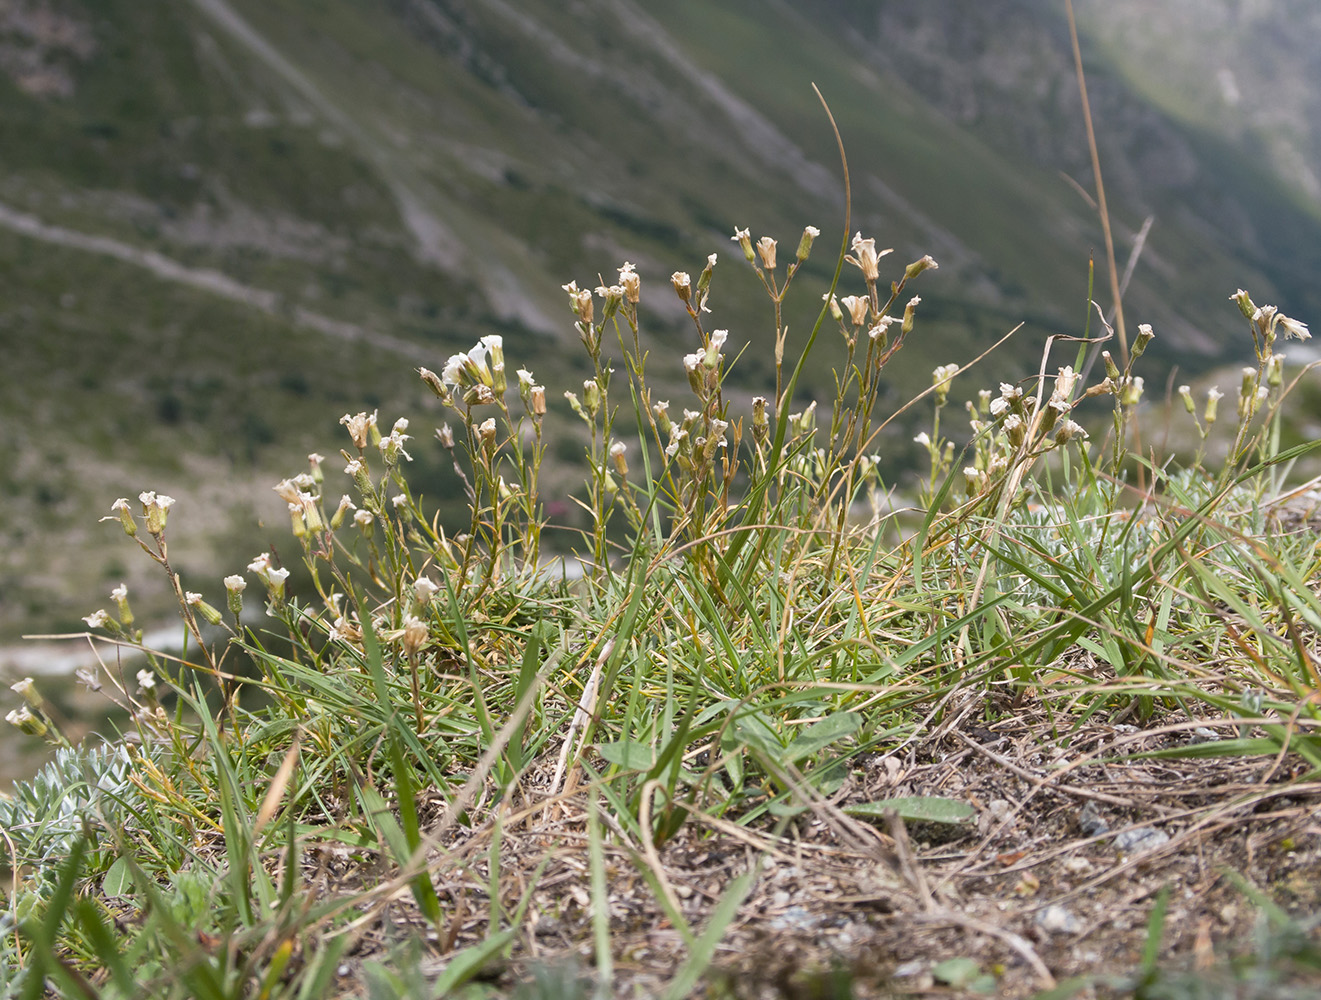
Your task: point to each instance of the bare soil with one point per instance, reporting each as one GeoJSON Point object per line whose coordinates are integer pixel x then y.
{"type": "Point", "coordinates": [1057, 876]}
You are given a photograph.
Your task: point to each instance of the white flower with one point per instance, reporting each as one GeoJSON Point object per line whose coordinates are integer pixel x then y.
{"type": "Point", "coordinates": [363, 518]}
{"type": "Point", "coordinates": [718, 338]}
{"type": "Point", "coordinates": [146, 680]}
{"type": "Point", "coordinates": [924, 439]}
{"type": "Point", "coordinates": [1293, 328]}
{"type": "Point", "coordinates": [235, 584]}
{"type": "Point", "coordinates": [97, 619]}
{"type": "Point", "coordinates": [525, 378]}
{"type": "Point", "coordinates": [120, 593]}
{"type": "Point", "coordinates": [424, 589]}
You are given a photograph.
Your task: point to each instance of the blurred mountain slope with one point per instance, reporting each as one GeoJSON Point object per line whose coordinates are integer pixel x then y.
{"type": "Point", "coordinates": [225, 222]}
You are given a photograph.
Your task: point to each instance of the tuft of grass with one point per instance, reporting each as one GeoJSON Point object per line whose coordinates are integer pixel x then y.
{"type": "Point", "coordinates": [746, 608]}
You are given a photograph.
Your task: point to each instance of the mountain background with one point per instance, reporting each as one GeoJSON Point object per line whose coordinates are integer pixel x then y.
{"type": "Point", "coordinates": [223, 223]}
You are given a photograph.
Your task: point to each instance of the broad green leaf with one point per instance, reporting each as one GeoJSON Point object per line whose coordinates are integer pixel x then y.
{"type": "Point", "coordinates": [118, 879]}
{"type": "Point", "coordinates": [822, 734]}
{"type": "Point", "coordinates": [629, 755]}
{"type": "Point", "coordinates": [924, 809]}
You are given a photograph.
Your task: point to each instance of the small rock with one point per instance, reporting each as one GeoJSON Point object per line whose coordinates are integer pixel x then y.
{"type": "Point", "coordinates": [1077, 865]}
{"type": "Point", "coordinates": [1055, 919]}
{"type": "Point", "coordinates": [1091, 822]}
{"type": "Point", "coordinates": [796, 918]}
{"type": "Point", "coordinates": [914, 968]}
{"type": "Point", "coordinates": [1203, 735]}
{"type": "Point", "coordinates": [1141, 840]}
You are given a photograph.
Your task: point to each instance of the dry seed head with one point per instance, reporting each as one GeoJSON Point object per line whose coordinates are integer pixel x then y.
{"type": "Point", "coordinates": [766, 251]}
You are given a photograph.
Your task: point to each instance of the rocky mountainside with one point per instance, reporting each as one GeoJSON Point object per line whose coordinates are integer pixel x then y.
{"type": "Point", "coordinates": [225, 222]}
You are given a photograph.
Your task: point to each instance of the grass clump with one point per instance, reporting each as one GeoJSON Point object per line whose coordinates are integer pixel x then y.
{"type": "Point", "coordinates": [378, 787]}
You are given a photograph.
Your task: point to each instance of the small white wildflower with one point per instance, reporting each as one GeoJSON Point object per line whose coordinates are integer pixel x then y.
{"type": "Point", "coordinates": [399, 501]}
{"type": "Point", "coordinates": [923, 439]}
{"type": "Point", "coordinates": [424, 589]}
{"type": "Point", "coordinates": [235, 584]}
{"type": "Point", "coordinates": [98, 619]}
{"type": "Point", "coordinates": [146, 680]}
{"type": "Point", "coordinates": [1293, 328]}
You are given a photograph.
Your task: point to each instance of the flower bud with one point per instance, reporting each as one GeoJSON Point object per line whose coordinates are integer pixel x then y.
{"type": "Point", "coordinates": [836, 313]}
{"type": "Point", "coordinates": [365, 523]}
{"type": "Point", "coordinates": [436, 385]}
{"type": "Point", "coordinates": [1244, 302]}
{"type": "Point", "coordinates": [1131, 391]}
{"type": "Point", "coordinates": [682, 285]}
{"type": "Point", "coordinates": [744, 240]}
{"type": "Point", "coordinates": [805, 243]}
{"type": "Point", "coordinates": [1275, 371]}
{"type": "Point", "coordinates": [910, 312]}
{"type": "Point", "coordinates": [120, 596]}
{"type": "Point", "coordinates": [591, 396]}
{"type": "Point", "coordinates": [125, 517]}
{"type": "Point", "coordinates": [1144, 338]}
{"type": "Point", "coordinates": [424, 589]}
{"type": "Point", "coordinates": [1247, 393]}
{"type": "Point", "coordinates": [1111, 369]}
{"type": "Point", "coordinates": [1069, 430]}
{"type": "Point", "coordinates": [661, 411]}
{"type": "Point", "coordinates": [537, 400]}
{"type": "Point", "coordinates": [761, 428]}
{"type": "Point", "coordinates": [1065, 381]}
{"type": "Point", "coordinates": [940, 379]}
{"type": "Point", "coordinates": [26, 721]}
{"type": "Point", "coordinates": [414, 636]}
{"type": "Point", "coordinates": [617, 450]}
{"type": "Point", "coordinates": [1186, 394]}
{"type": "Point", "coordinates": [486, 432]}
{"type": "Point", "coordinates": [155, 509]}
{"type": "Point", "coordinates": [612, 296]}
{"type": "Point", "coordinates": [234, 587]}
{"type": "Point", "coordinates": [209, 613]}
{"type": "Point", "coordinates": [927, 263]}
{"type": "Point", "coordinates": [1015, 429]}
{"type": "Point", "coordinates": [27, 688]}
{"type": "Point", "coordinates": [1213, 397]}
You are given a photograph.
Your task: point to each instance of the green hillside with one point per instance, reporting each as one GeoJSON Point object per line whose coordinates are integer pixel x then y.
{"type": "Point", "coordinates": [222, 224]}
